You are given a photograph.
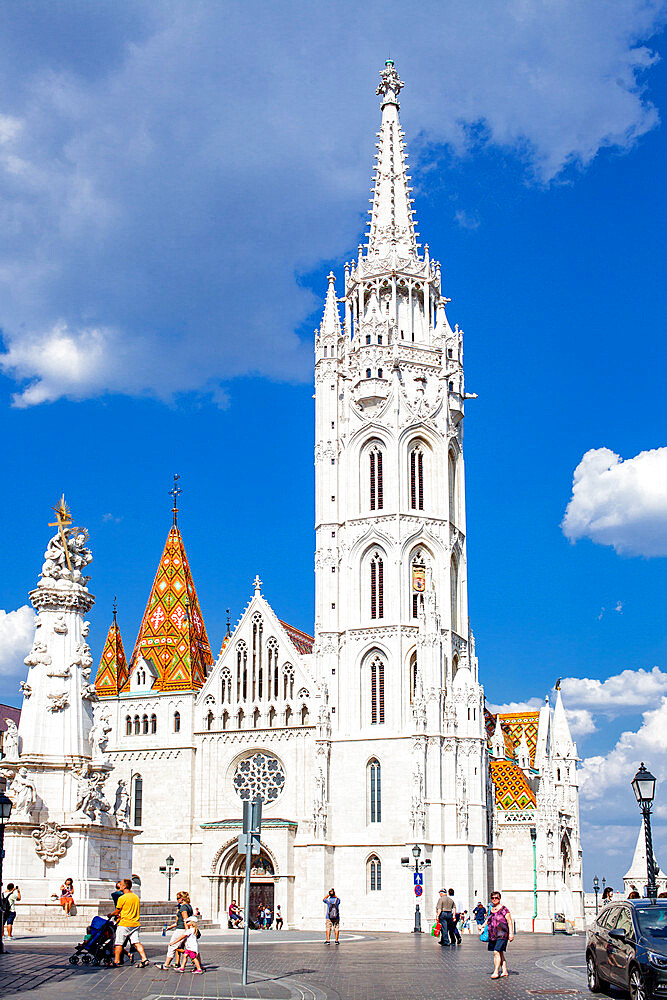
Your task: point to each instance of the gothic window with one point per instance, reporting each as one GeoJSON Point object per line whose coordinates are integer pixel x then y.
{"type": "Point", "coordinates": [377, 586]}
{"type": "Point", "coordinates": [240, 718]}
{"type": "Point", "coordinates": [374, 788]}
{"type": "Point", "coordinates": [261, 775]}
{"type": "Point", "coordinates": [379, 369]}
{"type": "Point", "coordinates": [455, 665]}
{"type": "Point", "coordinates": [137, 800]}
{"type": "Point", "coordinates": [377, 691]}
{"type": "Point", "coordinates": [128, 725]}
{"type": "Point", "coordinates": [144, 724]}
{"type": "Point", "coordinates": [288, 715]}
{"type": "Point", "coordinates": [177, 722]}
{"type": "Point", "coordinates": [225, 719]}
{"type": "Point", "coordinates": [417, 477]}
{"type": "Point", "coordinates": [368, 373]}
{"type": "Point", "coordinates": [288, 681]}
{"type": "Point", "coordinates": [272, 717]}
{"type": "Point", "coordinates": [374, 874]}
{"type": "Point", "coordinates": [241, 671]}
{"type": "Point", "coordinates": [256, 655]}
{"type": "Point", "coordinates": [304, 715]}
{"type": "Point", "coordinates": [209, 720]}
{"type": "Point", "coordinates": [413, 676]}
{"type": "Point", "coordinates": [368, 338]}
{"type": "Point", "coordinates": [137, 725]}
{"type": "Point", "coordinates": [376, 485]}
{"type": "Point", "coordinates": [272, 681]}
{"type": "Point", "coordinates": [417, 583]}
{"type": "Point", "coordinates": [226, 678]}
{"type": "Point", "coordinates": [454, 586]}
{"type": "Point", "coordinates": [452, 487]}
{"type": "Point", "coordinates": [153, 723]}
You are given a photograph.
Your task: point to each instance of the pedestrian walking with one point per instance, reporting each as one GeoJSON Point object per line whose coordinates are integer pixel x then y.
{"type": "Point", "coordinates": [67, 895]}
{"type": "Point", "coordinates": [479, 913]}
{"type": "Point", "coordinates": [127, 931]}
{"type": "Point", "coordinates": [333, 915]}
{"type": "Point", "coordinates": [178, 929]}
{"type": "Point", "coordinates": [444, 914]}
{"type": "Point", "coordinates": [501, 930]}
{"type": "Point", "coordinates": [11, 898]}
{"type": "Point", "coordinates": [279, 918]}
{"type": "Point", "coordinates": [191, 946]}
{"type": "Point", "coordinates": [454, 934]}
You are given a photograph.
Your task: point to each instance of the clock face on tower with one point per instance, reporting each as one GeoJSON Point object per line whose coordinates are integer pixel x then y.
{"type": "Point", "coordinates": [261, 775]}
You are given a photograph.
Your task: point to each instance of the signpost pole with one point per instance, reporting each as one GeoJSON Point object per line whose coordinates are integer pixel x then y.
{"type": "Point", "coordinates": [252, 828]}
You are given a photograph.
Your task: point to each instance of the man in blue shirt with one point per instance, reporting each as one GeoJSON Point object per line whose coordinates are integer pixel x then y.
{"type": "Point", "coordinates": [333, 915]}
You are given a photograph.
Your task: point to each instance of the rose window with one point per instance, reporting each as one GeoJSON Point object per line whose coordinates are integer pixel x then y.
{"type": "Point", "coordinates": [262, 774]}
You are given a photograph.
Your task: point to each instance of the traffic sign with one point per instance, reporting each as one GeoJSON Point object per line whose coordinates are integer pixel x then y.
{"type": "Point", "coordinates": [419, 878]}
{"type": "Point", "coordinates": [418, 890]}
{"type": "Point", "coordinates": [243, 843]}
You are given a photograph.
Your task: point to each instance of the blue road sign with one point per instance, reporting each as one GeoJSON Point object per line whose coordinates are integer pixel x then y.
{"type": "Point", "coordinates": [419, 878]}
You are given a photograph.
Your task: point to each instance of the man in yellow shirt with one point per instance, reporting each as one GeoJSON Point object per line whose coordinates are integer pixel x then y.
{"type": "Point", "coordinates": [127, 931]}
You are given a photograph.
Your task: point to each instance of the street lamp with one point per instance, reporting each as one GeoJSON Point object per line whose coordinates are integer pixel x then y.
{"type": "Point", "coordinates": [596, 889]}
{"type": "Point", "coordinates": [5, 813]}
{"type": "Point", "coordinates": [643, 785]}
{"type": "Point", "coordinates": [419, 866]}
{"type": "Point", "coordinates": [170, 872]}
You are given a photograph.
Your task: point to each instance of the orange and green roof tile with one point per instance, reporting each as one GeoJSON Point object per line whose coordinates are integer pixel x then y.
{"type": "Point", "coordinates": [112, 672]}
{"type": "Point", "coordinates": [518, 723]}
{"type": "Point", "coordinates": [510, 785]}
{"type": "Point", "coordinates": [172, 634]}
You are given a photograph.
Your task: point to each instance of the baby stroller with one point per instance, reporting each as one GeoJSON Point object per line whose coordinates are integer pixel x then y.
{"type": "Point", "coordinates": [97, 945]}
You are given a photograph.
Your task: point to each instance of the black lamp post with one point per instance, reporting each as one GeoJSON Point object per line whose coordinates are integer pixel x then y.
{"type": "Point", "coordinates": [596, 889]}
{"type": "Point", "coordinates": [643, 785]}
{"type": "Point", "coordinates": [419, 866]}
{"type": "Point", "coordinates": [5, 813]}
{"type": "Point", "coordinates": [169, 870]}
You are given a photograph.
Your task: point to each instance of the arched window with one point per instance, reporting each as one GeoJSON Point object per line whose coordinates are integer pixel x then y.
{"type": "Point", "coordinates": [455, 665]}
{"type": "Point", "coordinates": [272, 716]}
{"type": "Point", "coordinates": [256, 715]}
{"type": "Point", "coordinates": [225, 719]}
{"type": "Point", "coordinates": [240, 718]}
{"type": "Point", "coordinates": [417, 477]}
{"type": "Point", "coordinates": [288, 715]}
{"type": "Point", "coordinates": [376, 486]}
{"type": "Point", "coordinates": [137, 800]}
{"type": "Point", "coordinates": [272, 682]}
{"type": "Point", "coordinates": [377, 691]}
{"type": "Point", "coordinates": [226, 680]}
{"type": "Point", "coordinates": [373, 874]}
{"type": "Point", "coordinates": [257, 673]}
{"type": "Point", "coordinates": [128, 725]}
{"type": "Point", "coordinates": [452, 487]}
{"type": "Point", "coordinates": [413, 676]}
{"type": "Point", "coordinates": [137, 725]}
{"type": "Point", "coordinates": [177, 722]}
{"type": "Point", "coordinates": [454, 587]}
{"type": "Point", "coordinates": [304, 715]}
{"type": "Point", "coordinates": [144, 725]}
{"type": "Point", "coordinates": [209, 720]}
{"type": "Point", "coordinates": [374, 791]}
{"type": "Point", "coordinates": [377, 586]}
{"type": "Point", "coordinates": [153, 723]}
{"type": "Point", "coordinates": [241, 671]}
{"type": "Point", "coordinates": [417, 583]}
{"type": "Point", "coordinates": [288, 679]}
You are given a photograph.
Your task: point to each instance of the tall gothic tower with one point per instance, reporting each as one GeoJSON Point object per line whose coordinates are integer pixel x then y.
{"type": "Point", "coordinates": [395, 655]}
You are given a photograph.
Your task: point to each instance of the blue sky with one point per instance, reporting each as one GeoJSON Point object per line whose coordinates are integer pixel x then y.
{"type": "Point", "coordinates": [176, 180]}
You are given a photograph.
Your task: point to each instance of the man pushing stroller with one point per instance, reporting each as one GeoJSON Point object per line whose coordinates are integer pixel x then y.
{"type": "Point", "coordinates": [127, 931]}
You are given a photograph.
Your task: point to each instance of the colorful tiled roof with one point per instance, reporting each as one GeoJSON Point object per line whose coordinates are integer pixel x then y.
{"type": "Point", "coordinates": [518, 723]}
{"type": "Point", "coordinates": [302, 642]}
{"type": "Point", "coordinates": [490, 723]}
{"type": "Point", "coordinates": [172, 634]}
{"type": "Point", "coordinates": [112, 672]}
{"type": "Point", "coordinates": [511, 788]}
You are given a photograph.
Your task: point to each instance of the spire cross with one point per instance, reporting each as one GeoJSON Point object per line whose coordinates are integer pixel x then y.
{"type": "Point", "coordinates": [257, 584]}
{"type": "Point", "coordinates": [115, 609]}
{"type": "Point", "coordinates": [63, 521]}
{"type": "Point", "coordinates": [175, 492]}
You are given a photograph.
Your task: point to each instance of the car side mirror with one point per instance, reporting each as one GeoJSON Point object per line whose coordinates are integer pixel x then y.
{"type": "Point", "coordinates": [617, 934]}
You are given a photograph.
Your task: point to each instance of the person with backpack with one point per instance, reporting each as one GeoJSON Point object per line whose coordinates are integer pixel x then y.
{"type": "Point", "coordinates": [9, 902]}
{"type": "Point", "coordinates": [333, 915]}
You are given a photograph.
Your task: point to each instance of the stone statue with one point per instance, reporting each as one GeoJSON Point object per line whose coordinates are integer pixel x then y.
{"type": "Point", "coordinates": [21, 792]}
{"type": "Point", "coordinates": [90, 798]}
{"type": "Point", "coordinates": [38, 654]}
{"type": "Point", "coordinates": [10, 743]}
{"type": "Point", "coordinates": [99, 734]}
{"type": "Point", "coordinates": [122, 807]}
{"type": "Point", "coordinates": [25, 689]}
{"type": "Point", "coordinates": [67, 564]}
{"type": "Point", "coordinates": [320, 810]}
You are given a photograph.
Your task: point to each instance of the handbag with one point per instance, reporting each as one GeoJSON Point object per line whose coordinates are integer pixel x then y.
{"type": "Point", "coordinates": [484, 936]}
{"type": "Point", "coordinates": [435, 930]}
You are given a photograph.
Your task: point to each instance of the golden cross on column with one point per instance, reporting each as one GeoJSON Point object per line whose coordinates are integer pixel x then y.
{"type": "Point", "coordinates": [63, 521]}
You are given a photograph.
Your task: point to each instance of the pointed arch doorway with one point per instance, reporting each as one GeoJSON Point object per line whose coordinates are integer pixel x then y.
{"type": "Point", "coordinates": [231, 882]}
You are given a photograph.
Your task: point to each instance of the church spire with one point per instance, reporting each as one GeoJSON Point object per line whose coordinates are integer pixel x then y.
{"type": "Point", "coordinates": [391, 223]}
{"type": "Point", "coordinates": [172, 633]}
{"type": "Point", "coordinates": [112, 672]}
{"type": "Point", "coordinates": [330, 325]}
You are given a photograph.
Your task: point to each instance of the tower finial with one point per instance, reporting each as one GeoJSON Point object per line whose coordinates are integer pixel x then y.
{"type": "Point", "coordinates": [391, 84]}
{"type": "Point", "coordinates": [115, 609]}
{"type": "Point", "coordinates": [175, 492]}
{"type": "Point", "coordinates": [229, 630]}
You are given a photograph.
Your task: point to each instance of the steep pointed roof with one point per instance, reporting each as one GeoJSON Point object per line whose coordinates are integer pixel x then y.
{"type": "Point", "coordinates": [522, 726]}
{"type": "Point", "coordinates": [172, 634]}
{"type": "Point", "coordinates": [561, 738]}
{"type": "Point", "coordinates": [112, 672]}
{"type": "Point", "coordinates": [330, 325]}
{"type": "Point", "coordinates": [392, 220]}
{"type": "Point", "coordinates": [511, 788]}
{"type": "Point", "coordinates": [302, 642]}
{"type": "Point", "coordinates": [637, 871]}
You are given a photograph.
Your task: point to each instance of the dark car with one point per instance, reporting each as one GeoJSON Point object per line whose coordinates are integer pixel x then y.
{"type": "Point", "coordinates": [627, 947]}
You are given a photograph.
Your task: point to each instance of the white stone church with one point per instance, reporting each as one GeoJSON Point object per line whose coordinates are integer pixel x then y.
{"type": "Point", "coordinates": [367, 740]}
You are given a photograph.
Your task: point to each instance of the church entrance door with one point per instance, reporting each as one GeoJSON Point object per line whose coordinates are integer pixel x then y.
{"type": "Point", "coordinates": [261, 894]}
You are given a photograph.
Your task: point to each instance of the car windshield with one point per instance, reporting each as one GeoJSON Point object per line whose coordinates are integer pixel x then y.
{"type": "Point", "coordinates": [653, 920]}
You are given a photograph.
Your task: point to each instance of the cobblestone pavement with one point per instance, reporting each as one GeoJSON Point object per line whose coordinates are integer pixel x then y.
{"type": "Point", "coordinates": [364, 967]}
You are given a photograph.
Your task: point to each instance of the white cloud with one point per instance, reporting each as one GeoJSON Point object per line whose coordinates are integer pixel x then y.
{"type": "Point", "coordinates": [16, 633]}
{"type": "Point", "coordinates": [167, 172]}
{"type": "Point", "coordinates": [514, 707]}
{"type": "Point", "coordinates": [629, 691]}
{"type": "Point", "coordinates": [620, 503]}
